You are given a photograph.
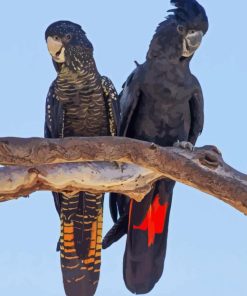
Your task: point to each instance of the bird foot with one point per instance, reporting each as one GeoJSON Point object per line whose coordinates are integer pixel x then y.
{"type": "Point", "coordinates": [184, 145]}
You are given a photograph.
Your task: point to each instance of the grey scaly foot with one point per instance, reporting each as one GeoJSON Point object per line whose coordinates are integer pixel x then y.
{"type": "Point", "coordinates": [184, 145]}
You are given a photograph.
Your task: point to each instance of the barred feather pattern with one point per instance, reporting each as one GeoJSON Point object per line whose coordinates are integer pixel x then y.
{"type": "Point", "coordinates": [86, 101]}
{"type": "Point", "coordinates": [111, 95]}
{"type": "Point", "coordinates": [80, 103]}
{"type": "Point", "coordinates": [81, 271]}
{"type": "Point", "coordinates": [83, 103]}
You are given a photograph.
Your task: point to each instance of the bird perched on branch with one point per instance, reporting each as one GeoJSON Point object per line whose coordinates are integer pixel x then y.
{"type": "Point", "coordinates": [80, 103]}
{"type": "Point", "coordinates": [161, 102]}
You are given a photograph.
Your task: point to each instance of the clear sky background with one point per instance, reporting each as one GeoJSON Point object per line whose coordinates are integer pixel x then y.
{"type": "Point", "coordinates": [207, 248]}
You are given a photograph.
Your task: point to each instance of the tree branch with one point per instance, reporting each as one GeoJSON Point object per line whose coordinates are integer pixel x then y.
{"type": "Point", "coordinates": [61, 165]}
{"type": "Point", "coordinates": [71, 178]}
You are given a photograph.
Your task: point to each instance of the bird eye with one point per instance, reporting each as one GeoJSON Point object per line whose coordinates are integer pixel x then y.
{"type": "Point", "coordinates": [68, 36]}
{"type": "Point", "coordinates": [192, 31]}
{"type": "Point", "coordinates": [180, 29]}
{"type": "Point", "coordinates": [56, 38]}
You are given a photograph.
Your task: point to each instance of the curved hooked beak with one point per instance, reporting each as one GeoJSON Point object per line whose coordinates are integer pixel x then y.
{"type": "Point", "coordinates": [56, 49]}
{"type": "Point", "coordinates": [191, 43]}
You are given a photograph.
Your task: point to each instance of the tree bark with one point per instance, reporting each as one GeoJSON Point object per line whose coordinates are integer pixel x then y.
{"type": "Point", "coordinates": [118, 165]}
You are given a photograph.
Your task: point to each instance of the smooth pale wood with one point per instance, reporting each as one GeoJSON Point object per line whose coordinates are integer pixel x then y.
{"type": "Point", "coordinates": [71, 178]}
{"type": "Point", "coordinates": [203, 169]}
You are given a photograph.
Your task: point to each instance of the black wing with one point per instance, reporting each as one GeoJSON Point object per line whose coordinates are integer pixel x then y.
{"type": "Point", "coordinates": [53, 127]}
{"type": "Point", "coordinates": [53, 115]}
{"type": "Point", "coordinates": [197, 115]}
{"type": "Point", "coordinates": [128, 98]}
{"type": "Point", "coordinates": [112, 104]}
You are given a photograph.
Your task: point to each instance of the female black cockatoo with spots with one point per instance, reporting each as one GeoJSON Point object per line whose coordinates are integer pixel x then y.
{"type": "Point", "coordinates": [80, 103]}
{"type": "Point", "coordinates": [161, 102]}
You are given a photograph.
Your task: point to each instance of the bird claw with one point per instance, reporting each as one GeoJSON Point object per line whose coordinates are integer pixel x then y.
{"type": "Point", "coordinates": [184, 145]}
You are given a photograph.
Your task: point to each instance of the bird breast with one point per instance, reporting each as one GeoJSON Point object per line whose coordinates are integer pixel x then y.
{"type": "Point", "coordinates": [84, 108]}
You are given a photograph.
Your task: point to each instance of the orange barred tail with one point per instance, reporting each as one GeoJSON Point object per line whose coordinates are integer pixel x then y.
{"type": "Point", "coordinates": [147, 238]}
{"type": "Point", "coordinates": [81, 275]}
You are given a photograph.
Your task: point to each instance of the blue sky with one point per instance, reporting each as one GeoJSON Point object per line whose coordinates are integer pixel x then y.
{"type": "Point", "coordinates": [207, 248]}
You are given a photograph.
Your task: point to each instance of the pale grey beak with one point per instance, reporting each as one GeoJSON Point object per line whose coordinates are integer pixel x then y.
{"type": "Point", "coordinates": [191, 43]}
{"type": "Point", "coordinates": [56, 50]}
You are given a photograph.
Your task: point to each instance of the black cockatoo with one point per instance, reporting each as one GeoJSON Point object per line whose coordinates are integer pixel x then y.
{"type": "Point", "coordinates": [161, 102]}
{"type": "Point", "coordinates": [80, 103]}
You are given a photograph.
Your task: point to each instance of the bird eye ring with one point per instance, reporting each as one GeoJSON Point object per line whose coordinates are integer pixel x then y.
{"type": "Point", "coordinates": [68, 36]}
{"type": "Point", "coordinates": [180, 29]}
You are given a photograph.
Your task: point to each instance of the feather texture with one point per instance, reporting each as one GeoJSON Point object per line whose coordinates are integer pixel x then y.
{"type": "Point", "coordinates": [161, 102]}
{"type": "Point", "coordinates": [80, 103]}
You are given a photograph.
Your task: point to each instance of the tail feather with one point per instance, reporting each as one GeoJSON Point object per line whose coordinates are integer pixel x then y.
{"type": "Point", "coordinates": [146, 226]}
{"type": "Point", "coordinates": [118, 230]}
{"type": "Point", "coordinates": [118, 205]}
{"type": "Point", "coordinates": [146, 240]}
{"type": "Point", "coordinates": [154, 221]}
{"type": "Point", "coordinates": [81, 244]}
{"type": "Point", "coordinates": [86, 214]}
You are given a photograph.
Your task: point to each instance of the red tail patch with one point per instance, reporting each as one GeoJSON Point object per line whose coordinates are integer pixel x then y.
{"type": "Point", "coordinates": [154, 221]}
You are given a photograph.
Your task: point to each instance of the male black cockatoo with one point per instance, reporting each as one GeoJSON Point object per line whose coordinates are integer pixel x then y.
{"type": "Point", "coordinates": [161, 102]}
{"type": "Point", "coordinates": [80, 103]}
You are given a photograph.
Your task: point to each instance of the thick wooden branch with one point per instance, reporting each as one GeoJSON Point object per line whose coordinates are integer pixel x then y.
{"type": "Point", "coordinates": [46, 168]}
{"type": "Point", "coordinates": [71, 178]}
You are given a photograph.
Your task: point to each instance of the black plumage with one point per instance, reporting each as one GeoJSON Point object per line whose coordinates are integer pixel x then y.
{"type": "Point", "coordinates": [80, 103]}
{"type": "Point", "coordinates": [161, 102]}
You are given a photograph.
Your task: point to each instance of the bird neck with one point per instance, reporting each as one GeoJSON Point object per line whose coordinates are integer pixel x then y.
{"type": "Point", "coordinates": [163, 64]}
{"type": "Point", "coordinates": [78, 77]}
